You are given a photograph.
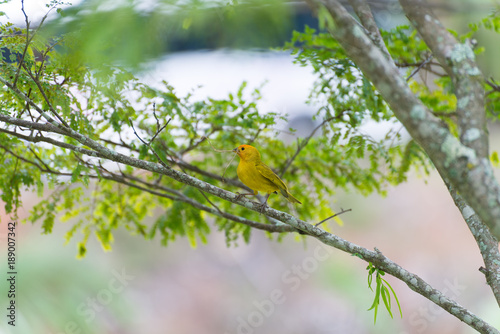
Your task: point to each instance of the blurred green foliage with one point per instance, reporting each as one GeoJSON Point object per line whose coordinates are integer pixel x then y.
{"type": "Point", "coordinates": [490, 23]}
{"type": "Point", "coordinates": [131, 33]}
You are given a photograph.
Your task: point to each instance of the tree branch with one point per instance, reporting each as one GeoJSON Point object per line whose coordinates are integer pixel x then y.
{"type": "Point", "coordinates": [62, 128]}
{"type": "Point", "coordinates": [458, 61]}
{"type": "Point", "coordinates": [37, 139]}
{"type": "Point", "coordinates": [342, 211]}
{"type": "Point", "coordinates": [487, 243]}
{"type": "Point", "coordinates": [184, 165]}
{"type": "Point", "coordinates": [54, 129]}
{"type": "Point", "coordinates": [469, 173]}
{"type": "Point", "coordinates": [377, 258]}
{"type": "Point", "coordinates": [6, 149]}
{"type": "Point", "coordinates": [22, 64]}
{"type": "Point", "coordinates": [365, 15]}
{"type": "Point", "coordinates": [45, 97]}
{"type": "Point", "coordinates": [425, 62]}
{"type": "Point", "coordinates": [26, 45]}
{"type": "Point", "coordinates": [494, 86]}
{"type": "Point", "coordinates": [305, 141]}
{"type": "Point", "coordinates": [105, 174]}
{"type": "Point", "coordinates": [214, 211]}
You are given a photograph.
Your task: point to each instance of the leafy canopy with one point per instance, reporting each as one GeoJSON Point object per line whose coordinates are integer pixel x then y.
{"type": "Point", "coordinates": [102, 99]}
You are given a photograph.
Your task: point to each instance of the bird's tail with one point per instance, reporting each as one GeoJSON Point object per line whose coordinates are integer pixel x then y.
{"type": "Point", "coordinates": [289, 196]}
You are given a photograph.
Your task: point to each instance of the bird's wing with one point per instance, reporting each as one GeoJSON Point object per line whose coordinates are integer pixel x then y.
{"type": "Point", "coordinates": [267, 172]}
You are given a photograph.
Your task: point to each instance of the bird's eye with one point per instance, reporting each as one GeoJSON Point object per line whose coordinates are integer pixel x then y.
{"type": "Point", "coordinates": [242, 148]}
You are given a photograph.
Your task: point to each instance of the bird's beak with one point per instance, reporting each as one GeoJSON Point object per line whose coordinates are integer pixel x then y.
{"type": "Point", "coordinates": [236, 150]}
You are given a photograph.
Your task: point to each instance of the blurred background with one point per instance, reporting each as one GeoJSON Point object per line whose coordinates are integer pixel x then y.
{"type": "Point", "coordinates": [294, 286]}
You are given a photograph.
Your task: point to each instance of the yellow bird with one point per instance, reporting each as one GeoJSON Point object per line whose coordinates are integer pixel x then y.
{"type": "Point", "coordinates": [258, 176]}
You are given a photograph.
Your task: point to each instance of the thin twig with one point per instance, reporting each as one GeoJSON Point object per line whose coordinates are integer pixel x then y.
{"type": "Point", "coordinates": [494, 86]}
{"type": "Point", "coordinates": [28, 40]}
{"type": "Point", "coordinates": [335, 215]}
{"type": "Point", "coordinates": [192, 145]}
{"type": "Point", "coordinates": [225, 170]}
{"type": "Point", "coordinates": [45, 97]}
{"type": "Point", "coordinates": [419, 67]}
{"type": "Point", "coordinates": [122, 144]}
{"type": "Point", "coordinates": [158, 157]}
{"type": "Point", "coordinates": [39, 159]}
{"type": "Point", "coordinates": [44, 57]}
{"type": "Point", "coordinates": [62, 129]}
{"type": "Point", "coordinates": [404, 65]}
{"type": "Point", "coordinates": [149, 144]}
{"type": "Point", "coordinates": [304, 142]}
{"type": "Point", "coordinates": [216, 150]}
{"type": "Point", "coordinates": [158, 128]}
{"type": "Point", "coordinates": [254, 138]}
{"type": "Point", "coordinates": [22, 64]}
{"type": "Point", "coordinates": [221, 151]}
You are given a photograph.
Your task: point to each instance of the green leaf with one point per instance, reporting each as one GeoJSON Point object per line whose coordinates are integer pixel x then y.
{"type": "Point", "coordinates": [105, 237]}
{"type": "Point", "coordinates": [386, 297]}
{"type": "Point", "coordinates": [191, 236]}
{"type": "Point", "coordinates": [325, 19]}
{"type": "Point", "coordinates": [48, 222]}
{"type": "Point", "coordinates": [75, 176]}
{"type": "Point", "coordinates": [382, 290]}
{"type": "Point", "coordinates": [494, 159]}
{"type": "Point", "coordinates": [98, 172]}
{"type": "Point", "coordinates": [395, 297]}
{"type": "Point", "coordinates": [82, 250]}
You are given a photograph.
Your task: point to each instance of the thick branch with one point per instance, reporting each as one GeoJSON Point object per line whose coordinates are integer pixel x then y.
{"type": "Point", "coordinates": [469, 173]}
{"type": "Point", "coordinates": [458, 60]}
{"type": "Point", "coordinates": [36, 139]}
{"type": "Point", "coordinates": [365, 15]}
{"type": "Point", "coordinates": [382, 262]}
{"type": "Point", "coordinates": [487, 243]}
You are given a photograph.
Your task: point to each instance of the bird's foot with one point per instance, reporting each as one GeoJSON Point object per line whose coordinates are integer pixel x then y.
{"type": "Point", "coordinates": [262, 207]}
{"type": "Point", "coordinates": [239, 195]}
